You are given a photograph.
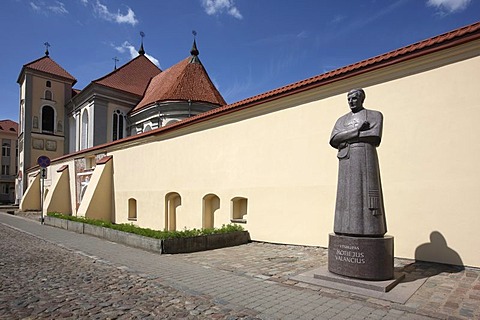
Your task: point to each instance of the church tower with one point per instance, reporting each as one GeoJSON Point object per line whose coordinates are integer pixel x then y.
{"type": "Point", "coordinates": [45, 87]}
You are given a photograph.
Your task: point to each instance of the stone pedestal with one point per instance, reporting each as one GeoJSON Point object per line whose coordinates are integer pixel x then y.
{"type": "Point", "coordinates": [361, 257]}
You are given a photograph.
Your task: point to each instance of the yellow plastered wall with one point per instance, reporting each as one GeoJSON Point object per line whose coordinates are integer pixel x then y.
{"type": "Point", "coordinates": [282, 163]}
{"type": "Point", "coordinates": [58, 198]}
{"type": "Point", "coordinates": [276, 155]}
{"type": "Point", "coordinates": [31, 198]}
{"type": "Point", "coordinates": [97, 202]}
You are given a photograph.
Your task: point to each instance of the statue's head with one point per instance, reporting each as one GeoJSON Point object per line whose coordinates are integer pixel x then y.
{"type": "Point", "coordinates": [355, 99]}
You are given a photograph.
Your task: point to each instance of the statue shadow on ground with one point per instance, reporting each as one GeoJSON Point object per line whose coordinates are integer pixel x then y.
{"type": "Point", "coordinates": [435, 250]}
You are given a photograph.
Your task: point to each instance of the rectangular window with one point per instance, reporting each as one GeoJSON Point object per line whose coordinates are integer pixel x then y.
{"type": "Point", "coordinates": [5, 170]}
{"type": "Point", "coordinates": [115, 127]}
{"type": "Point", "coordinates": [5, 150]}
{"type": "Point", "coordinates": [120, 126]}
{"type": "Point", "coordinates": [239, 210]}
{"type": "Point", "coordinates": [4, 188]}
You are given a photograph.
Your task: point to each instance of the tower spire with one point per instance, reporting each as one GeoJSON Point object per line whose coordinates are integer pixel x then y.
{"type": "Point", "coordinates": [116, 60]}
{"type": "Point", "coordinates": [194, 51]}
{"type": "Point", "coordinates": [141, 51]}
{"type": "Point", "coordinates": [47, 45]}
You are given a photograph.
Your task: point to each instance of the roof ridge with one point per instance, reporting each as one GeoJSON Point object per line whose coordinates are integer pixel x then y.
{"type": "Point", "coordinates": [180, 75]}
{"type": "Point", "coordinates": [419, 46]}
{"type": "Point", "coordinates": [62, 72]}
{"type": "Point", "coordinates": [175, 83]}
{"type": "Point", "coordinates": [34, 61]}
{"type": "Point", "coordinates": [125, 65]}
{"type": "Point", "coordinates": [132, 77]}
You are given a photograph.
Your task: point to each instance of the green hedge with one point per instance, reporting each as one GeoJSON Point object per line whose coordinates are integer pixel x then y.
{"type": "Point", "coordinates": [129, 227]}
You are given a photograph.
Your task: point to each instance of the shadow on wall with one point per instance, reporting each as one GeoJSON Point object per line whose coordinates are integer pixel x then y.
{"type": "Point", "coordinates": [437, 250]}
{"type": "Point", "coordinates": [432, 258]}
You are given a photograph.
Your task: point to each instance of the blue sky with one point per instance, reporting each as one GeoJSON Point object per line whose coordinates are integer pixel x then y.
{"type": "Point", "coordinates": [247, 46]}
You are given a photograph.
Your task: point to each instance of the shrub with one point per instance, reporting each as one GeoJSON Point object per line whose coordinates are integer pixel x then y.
{"type": "Point", "coordinates": [157, 234]}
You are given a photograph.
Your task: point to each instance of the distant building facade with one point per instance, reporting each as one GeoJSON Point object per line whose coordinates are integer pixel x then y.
{"type": "Point", "coordinates": [8, 138]}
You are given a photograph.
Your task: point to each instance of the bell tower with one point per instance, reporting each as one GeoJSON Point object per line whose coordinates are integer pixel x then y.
{"type": "Point", "coordinates": [45, 87]}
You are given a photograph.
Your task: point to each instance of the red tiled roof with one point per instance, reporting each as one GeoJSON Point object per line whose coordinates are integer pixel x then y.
{"type": "Point", "coordinates": [187, 80]}
{"type": "Point", "coordinates": [62, 168]}
{"type": "Point", "coordinates": [75, 92]}
{"type": "Point", "coordinates": [132, 77]}
{"type": "Point", "coordinates": [47, 65]}
{"type": "Point", "coordinates": [8, 126]}
{"type": "Point", "coordinates": [104, 160]}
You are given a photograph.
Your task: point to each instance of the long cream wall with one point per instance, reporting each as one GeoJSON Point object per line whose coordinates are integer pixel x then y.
{"type": "Point", "coordinates": [282, 163]}
{"type": "Point", "coordinates": [277, 156]}
{"type": "Point", "coordinates": [431, 176]}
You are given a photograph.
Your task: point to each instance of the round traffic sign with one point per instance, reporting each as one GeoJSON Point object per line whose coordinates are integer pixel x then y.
{"type": "Point", "coordinates": [43, 161]}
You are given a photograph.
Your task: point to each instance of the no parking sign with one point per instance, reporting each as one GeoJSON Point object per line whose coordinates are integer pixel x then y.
{"type": "Point", "coordinates": [43, 161]}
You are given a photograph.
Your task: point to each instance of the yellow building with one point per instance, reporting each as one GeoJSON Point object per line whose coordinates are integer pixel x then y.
{"type": "Point", "coordinates": [45, 87]}
{"type": "Point", "coordinates": [265, 161]}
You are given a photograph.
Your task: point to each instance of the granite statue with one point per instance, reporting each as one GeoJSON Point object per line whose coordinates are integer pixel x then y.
{"type": "Point", "coordinates": [359, 209]}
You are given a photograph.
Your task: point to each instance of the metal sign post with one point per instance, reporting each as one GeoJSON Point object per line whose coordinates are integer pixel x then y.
{"type": "Point", "coordinates": [43, 162]}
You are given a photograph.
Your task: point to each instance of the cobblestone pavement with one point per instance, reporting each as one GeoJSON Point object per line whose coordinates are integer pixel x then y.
{"type": "Point", "coordinates": [449, 293]}
{"type": "Point", "coordinates": [39, 280]}
{"type": "Point", "coordinates": [240, 282]}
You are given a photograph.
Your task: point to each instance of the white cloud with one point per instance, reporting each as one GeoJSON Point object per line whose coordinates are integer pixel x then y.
{"type": "Point", "coordinates": [35, 7]}
{"type": "Point", "coordinates": [338, 18]}
{"type": "Point", "coordinates": [84, 2]}
{"type": "Point", "coordinates": [102, 11]}
{"type": "Point", "coordinates": [127, 47]}
{"type": "Point", "coordinates": [449, 6]}
{"type": "Point", "coordinates": [57, 8]}
{"type": "Point", "coordinates": [213, 7]}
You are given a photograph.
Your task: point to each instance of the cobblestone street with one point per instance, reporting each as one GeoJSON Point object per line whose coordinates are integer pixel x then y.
{"type": "Point", "coordinates": [40, 280]}
{"type": "Point", "coordinates": [50, 273]}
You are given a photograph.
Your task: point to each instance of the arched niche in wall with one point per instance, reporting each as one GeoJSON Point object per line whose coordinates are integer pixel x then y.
{"type": "Point", "coordinates": [239, 209]}
{"type": "Point", "coordinates": [172, 201]}
{"type": "Point", "coordinates": [211, 203]}
{"type": "Point", "coordinates": [132, 209]}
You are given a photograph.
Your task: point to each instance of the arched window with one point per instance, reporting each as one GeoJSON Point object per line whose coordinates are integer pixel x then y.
{"type": "Point", "coordinates": [132, 209]}
{"type": "Point", "coordinates": [147, 128]}
{"type": "Point", "coordinates": [84, 139]}
{"type": "Point", "coordinates": [118, 124]}
{"type": "Point", "coordinates": [48, 95]}
{"type": "Point", "coordinates": [48, 84]}
{"type": "Point", "coordinates": [48, 119]}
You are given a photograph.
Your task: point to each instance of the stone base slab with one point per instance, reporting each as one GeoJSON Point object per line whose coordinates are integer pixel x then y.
{"type": "Point", "coordinates": [382, 286]}
{"type": "Point", "coordinates": [361, 257]}
{"type": "Point", "coordinates": [399, 294]}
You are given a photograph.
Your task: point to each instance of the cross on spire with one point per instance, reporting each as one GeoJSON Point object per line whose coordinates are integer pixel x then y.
{"type": "Point", "coordinates": [47, 45]}
{"type": "Point", "coordinates": [116, 60]}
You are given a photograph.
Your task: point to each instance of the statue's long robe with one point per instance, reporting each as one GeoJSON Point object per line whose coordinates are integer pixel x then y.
{"type": "Point", "coordinates": [359, 209]}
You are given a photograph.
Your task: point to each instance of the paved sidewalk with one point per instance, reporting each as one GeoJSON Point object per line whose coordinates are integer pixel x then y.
{"type": "Point", "coordinates": [254, 279]}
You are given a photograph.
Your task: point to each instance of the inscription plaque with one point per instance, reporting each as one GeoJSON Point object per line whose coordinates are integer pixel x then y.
{"type": "Point", "coordinates": [361, 257]}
